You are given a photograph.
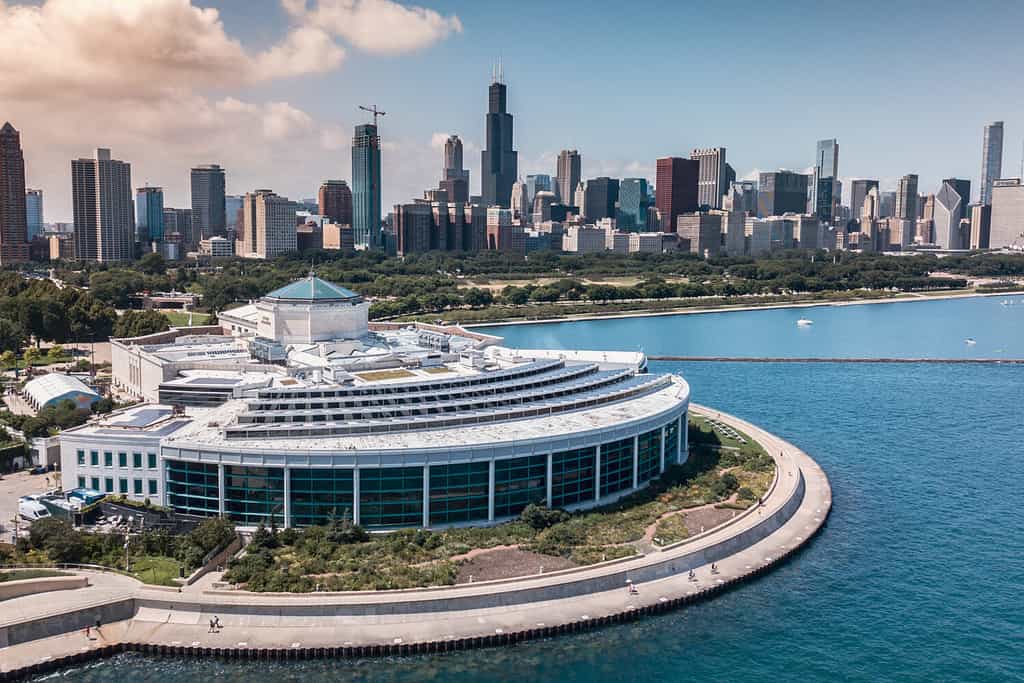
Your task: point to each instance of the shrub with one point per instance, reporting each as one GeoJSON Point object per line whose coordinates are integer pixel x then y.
{"type": "Point", "coordinates": [745, 494]}
{"type": "Point", "coordinates": [540, 517]}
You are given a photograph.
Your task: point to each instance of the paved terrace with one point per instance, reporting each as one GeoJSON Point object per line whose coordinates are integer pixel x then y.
{"type": "Point", "coordinates": [435, 619]}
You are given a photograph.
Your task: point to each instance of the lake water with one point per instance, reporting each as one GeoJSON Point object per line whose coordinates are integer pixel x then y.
{"type": "Point", "coordinates": [918, 574]}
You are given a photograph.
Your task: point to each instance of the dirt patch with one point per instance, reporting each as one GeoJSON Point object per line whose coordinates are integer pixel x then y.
{"type": "Point", "coordinates": [507, 563]}
{"type": "Point", "coordinates": [707, 517]}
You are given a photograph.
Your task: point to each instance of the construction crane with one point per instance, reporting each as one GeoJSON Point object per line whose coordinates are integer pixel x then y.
{"type": "Point", "coordinates": [373, 110]}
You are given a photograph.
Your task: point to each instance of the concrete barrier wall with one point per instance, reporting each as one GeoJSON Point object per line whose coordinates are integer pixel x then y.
{"type": "Point", "coordinates": [268, 613]}
{"type": "Point", "coordinates": [16, 589]}
{"type": "Point", "coordinates": [58, 624]}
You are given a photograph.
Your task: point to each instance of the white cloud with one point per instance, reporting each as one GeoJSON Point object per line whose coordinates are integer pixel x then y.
{"type": "Point", "coordinates": [378, 26]}
{"type": "Point", "coordinates": [138, 76]}
{"type": "Point", "coordinates": [139, 50]}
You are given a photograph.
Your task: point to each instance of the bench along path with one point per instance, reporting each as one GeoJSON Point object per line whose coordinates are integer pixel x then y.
{"type": "Point", "coordinates": [389, 622]}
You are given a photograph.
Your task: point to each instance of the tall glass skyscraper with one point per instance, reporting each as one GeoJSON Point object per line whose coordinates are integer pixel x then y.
{"type": "Point", "coordinates": [34, 212]}
{"type": "Point", "coordinates": [991, 159]}
{"type": "Point", "coordinates": [634, 199]}
{"type": "Point", "coordinates": [149, 214]}
{"type": "Point", "coordinates": [366, 196]}
{"type": "Point", "coordinates": [824, 199]}
{"type": "Point", "coordinates": [207, 203]}
{"type": "Point", "coordinates": [499, 162]}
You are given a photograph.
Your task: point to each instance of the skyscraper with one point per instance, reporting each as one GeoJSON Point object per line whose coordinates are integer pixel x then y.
{"type": "Point", "coordinates": [454, 177]}
{"type": "Point", "coordinates": [634, 199]}
{"type": "Point", "coordinates": [335, 201]}
{"type": "Point", "coordinates": [962, 188]}
{"type": "Point", "coordinates": [366, 198]}
{"type": "Point", "coordinates": [540, 182]}
{"type": "Point", "coordinates": [34, 213]}
{"type": "Point", "coordinates": [519, 202]}
{"type": "Point", "coordinates": [101, 192]}
{"type": "Point", "coordinates": [499, 162]}
{"type": "Point", "coordinates": [233, 211]}
{"type": "Point", "coordinates": [568, 175]}
{"type": "Point", "coordinates": [713, 175]}
{"type": "Point", "coordinates": [991, 159]}
{"type": "Point", "coordinates": [675, 189]}
{"type": "Point", "coordinates": [208, 210]}
{"type": "Point", "coordinates": [781, 192]}
{"type": "Point", "coordinates": [13, 216]}
{"type": "Point", "coordinates": [599, 198]}
{"type": "Point", "coordinates": [269, 228]}
{"type": "Point", "coordinates": [906, 198]}
{"type": "Point", "coordinates": [858, 192]}
{"type": "Point", "coordinates": [824, 194]}
{"type": "Point", "coordinates": [1007, 218]}
{"type": "Point", "coordinates": [149, 214]}
{"type": "Point", "coordinates": [946, 214]}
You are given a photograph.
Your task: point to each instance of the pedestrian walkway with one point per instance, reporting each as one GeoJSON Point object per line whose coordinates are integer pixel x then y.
{"type": "Point", "coordinates": [791, 513]}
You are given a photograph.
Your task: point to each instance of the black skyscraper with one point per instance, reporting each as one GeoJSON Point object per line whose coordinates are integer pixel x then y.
{"type": "Point", "coordinates": [499, 162]}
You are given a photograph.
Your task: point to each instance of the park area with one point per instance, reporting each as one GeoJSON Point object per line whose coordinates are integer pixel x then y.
{"type": "Point", "coordinates": [726, 473]}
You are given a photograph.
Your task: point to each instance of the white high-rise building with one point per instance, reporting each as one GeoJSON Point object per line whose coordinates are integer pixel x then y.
{"type": "Point", "coordinates": [711, 176]}
{"type": "Point", "coordinates": [103, 208]}
{"type": "Point", "coordinates": [1007, 224]}
{"type": "Point", "coordinates": [946, 218]}
{"type": "Point", "coordinates": [991, 159]}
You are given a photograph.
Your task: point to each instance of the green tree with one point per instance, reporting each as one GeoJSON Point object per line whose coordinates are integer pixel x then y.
{"type": "Point", "coordinates": [12, 335]}
{"type": "Point", "coordinates": [152, 264]}
{"type": "Point", "coordinates": [55, 353]}
{"type": "Point", "coordinates": [32, 355]}
{"type": "Point", "coordinates": [139, 323]}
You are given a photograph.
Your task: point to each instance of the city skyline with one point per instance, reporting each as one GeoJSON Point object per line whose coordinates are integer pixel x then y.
{"type": "Point", "coordinates": [255, 108]}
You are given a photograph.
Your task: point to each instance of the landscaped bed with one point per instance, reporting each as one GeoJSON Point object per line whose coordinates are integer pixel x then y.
{"type": "Point", "coordinates": [722, 477]}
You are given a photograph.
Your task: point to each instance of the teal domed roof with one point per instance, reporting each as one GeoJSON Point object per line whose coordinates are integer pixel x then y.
{"type": "Point", "coordinates": [312, 288]}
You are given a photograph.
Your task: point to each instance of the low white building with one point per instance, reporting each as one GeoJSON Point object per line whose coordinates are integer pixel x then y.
{"type": "Point", "coordinates": [51, 389]}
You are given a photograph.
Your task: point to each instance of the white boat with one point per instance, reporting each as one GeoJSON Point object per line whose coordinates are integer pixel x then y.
{"type": "Point", "coordinates": [969, 341]}
{"type": "Point", "coordinates": [804, 322]}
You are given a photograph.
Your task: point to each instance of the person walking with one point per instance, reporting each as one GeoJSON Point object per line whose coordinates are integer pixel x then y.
{"type": "Point", "coordinates": [211, 626]}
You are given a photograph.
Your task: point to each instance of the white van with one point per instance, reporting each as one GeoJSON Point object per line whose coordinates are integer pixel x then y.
{"type": "Point", "coordinates": [32, 510]}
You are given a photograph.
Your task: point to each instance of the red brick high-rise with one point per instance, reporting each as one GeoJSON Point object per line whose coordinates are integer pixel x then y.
{"type": "Point", "coordinates": [336, 201]}
{"type": "Point", "coordinates": [13, 216]}
{"type": "Point", "coordinates": [675, 189]}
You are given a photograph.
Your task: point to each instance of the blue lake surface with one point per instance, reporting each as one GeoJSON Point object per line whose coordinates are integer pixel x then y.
{"type": "Point", "coordinates": [918, 574]}
{"type": "Point", "coordinates": [918, 329]}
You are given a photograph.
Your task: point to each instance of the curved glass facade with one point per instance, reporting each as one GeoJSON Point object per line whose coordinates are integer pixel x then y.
{"type": "Point", "coordinates": [254, 494]}
{"type": "Point", "coordinates": [519, 482]}
{"type": "Point", "coordinates": [616, 466]}
{"type": "Point", "coordinates": [449, 493]}
{"type": "Point", "coordinates": [192, 487]}
{"type": "Point", "coordinates": [649, 455]}
{"type": "Point", "coordinates": [459, 493]}
{"type": "Point", "coordinates": [316, 494]}
{"type": "Point", "coordinates": [391, 496]}
{"type": "Point", "coordinates": [572, 476]}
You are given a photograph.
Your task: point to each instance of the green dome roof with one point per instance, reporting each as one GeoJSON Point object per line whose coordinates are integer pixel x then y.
{"type": "Point", "coordinates": [312, 288]}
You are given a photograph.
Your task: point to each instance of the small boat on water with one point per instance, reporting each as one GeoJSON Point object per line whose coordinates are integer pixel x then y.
{"type": "Point", "coordinates": [803, 322]}
{"type": "Point", "coordinates": [969, 341]}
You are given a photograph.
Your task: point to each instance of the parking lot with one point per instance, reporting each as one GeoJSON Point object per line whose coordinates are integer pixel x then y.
{"type": "Point", "coordinates": [12, 487]}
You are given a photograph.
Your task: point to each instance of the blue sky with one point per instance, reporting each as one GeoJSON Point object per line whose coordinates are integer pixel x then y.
{"type": "Point", "coordinates": [905, 87]}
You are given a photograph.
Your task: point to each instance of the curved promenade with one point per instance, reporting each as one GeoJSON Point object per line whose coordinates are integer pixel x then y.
{"type": "Point", "coordinates": [150, 619]}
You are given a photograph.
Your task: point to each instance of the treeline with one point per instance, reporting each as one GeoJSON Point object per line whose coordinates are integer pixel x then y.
{"type": "Point", "coordinates": [436, 282]}
{"type": "Point", "coordinates": [52, 419]}
{"type": "Point", "coordinates": [38, 309]}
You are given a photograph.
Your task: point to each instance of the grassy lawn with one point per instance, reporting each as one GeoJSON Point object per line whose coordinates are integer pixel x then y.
{"type": "Point", "coordinates": [377, 375]}
{"type": "Point", "coordinates": [180, 318]}
{"type": "Point", "coordinates": [40, 362]}
{"type": "Point", "coordinates": [156, 570]}
{"type": "Point", "coordinates": [21, 574]}
{"type": "Point", "coordinates": [439, 370]}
